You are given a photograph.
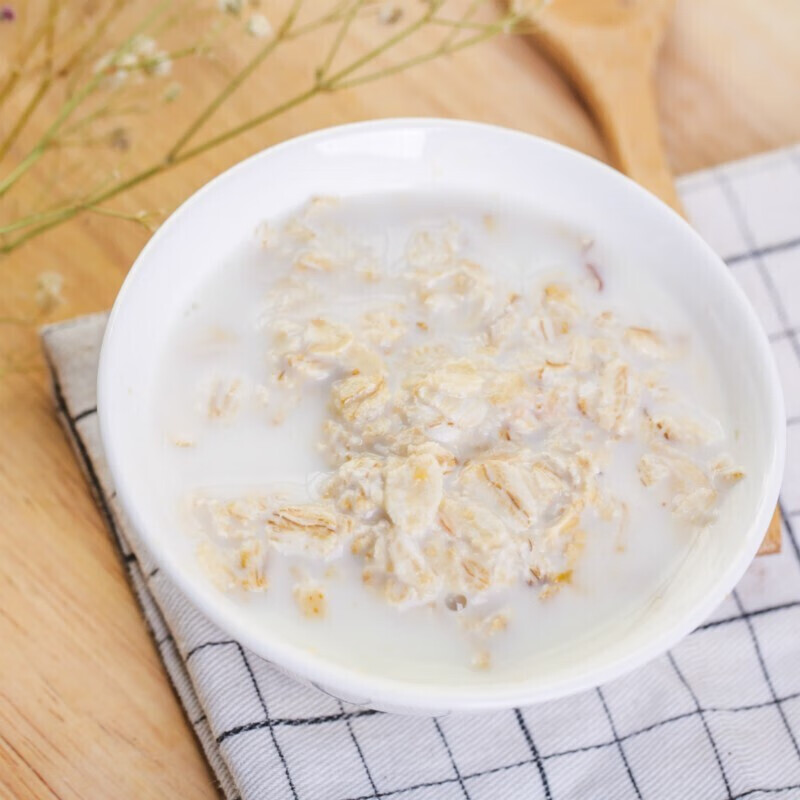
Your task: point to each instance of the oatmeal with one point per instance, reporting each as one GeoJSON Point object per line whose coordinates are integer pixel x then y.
{"type": "Point", "coordinates": [476, 435]}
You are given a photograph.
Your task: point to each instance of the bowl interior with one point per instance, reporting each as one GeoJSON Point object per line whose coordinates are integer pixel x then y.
{"type": "Point", "coordinates": [455, 157]}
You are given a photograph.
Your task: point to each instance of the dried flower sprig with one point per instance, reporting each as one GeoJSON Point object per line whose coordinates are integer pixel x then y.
{"type": "Point", "coordinates": [95, 84]}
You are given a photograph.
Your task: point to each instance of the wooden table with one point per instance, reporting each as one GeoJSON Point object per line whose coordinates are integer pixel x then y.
{"type": "Point", "coordinates": [85, 706]}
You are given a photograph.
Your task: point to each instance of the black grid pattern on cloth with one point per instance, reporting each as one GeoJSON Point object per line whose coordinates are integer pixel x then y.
{"type": "Point", "coordinates": [724, 704]}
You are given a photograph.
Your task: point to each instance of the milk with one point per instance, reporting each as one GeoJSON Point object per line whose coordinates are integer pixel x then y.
{"type": "Point", "coordinates": [220, 336]}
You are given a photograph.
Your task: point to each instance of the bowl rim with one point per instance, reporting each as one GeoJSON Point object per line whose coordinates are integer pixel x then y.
{"type": "Point", "coordinates": [411, 694]}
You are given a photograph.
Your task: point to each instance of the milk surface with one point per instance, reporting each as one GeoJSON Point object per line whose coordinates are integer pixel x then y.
{"type": "Point", "coordinates": [217, 337]}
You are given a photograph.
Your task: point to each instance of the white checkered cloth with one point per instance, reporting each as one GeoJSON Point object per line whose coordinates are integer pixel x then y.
{"type": "Point", "coordinates": [718, 717]}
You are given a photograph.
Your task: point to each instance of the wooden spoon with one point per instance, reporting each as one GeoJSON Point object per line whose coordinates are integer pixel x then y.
{"type": "Point", "coordinates": [608, 50]}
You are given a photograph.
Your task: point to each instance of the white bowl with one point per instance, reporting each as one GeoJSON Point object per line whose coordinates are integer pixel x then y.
{"type": "Point", "coordinates": [420, 155]}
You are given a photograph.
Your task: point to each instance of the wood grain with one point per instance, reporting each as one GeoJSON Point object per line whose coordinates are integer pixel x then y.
{"type": "Point", "coordinates": [85, 706]}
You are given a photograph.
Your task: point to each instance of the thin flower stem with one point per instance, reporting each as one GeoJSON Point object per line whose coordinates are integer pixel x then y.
{"type": "Point", "coordinates": [512, 24]}
{"type": "Point", "coordinates": [83, 51]}
{"type": "Point", "coordinates": [329, 17]}
{"type": "Point", "coordinates": [62, 215]}
{"type": "Point", "coordinates": [26, 114]}
{"type": "Point", "coordinates": [94, 37]}
{"type": "Point", "coordinates": [140, 217]}
{"type": "Point", "coordinates": [152, 63]}
{"type": "Point", "coordinates": [101, 113]}
{"type": "Point", "coordinates": [35, 225]}
{"type": "Point", "coordinates": [20, 169]}
{"type": "Point", "coordinates": [251, 123]}
{"type": "Point", "coordinates": [349, 16]}
{"type": "Point", "coordinates": [458, 25]}
{"type": "Point", "coordinates": [72, 211]}
{"type": "Point", "coordinates": [235, 82]}
{"type": "Point", "coordinates": [31, 219]}
{"type": "Point", "coordinates": [55, 212]}
{"type": "Point", "coordinates": [44, 84]}
{"type": "Point", "coordinates": [469, 12]}
{"type": "Point", "coordinates": [70, 105]}
{"type": "Point", "coordinates": [402, 34]}
{"type": "Point", "coordinates": [420, 59]}
{"type": "Point", "coordinates": [25, 53]}
{"type": "Point", "coordinates": [180, 10]}
{"type": "Point", "coordinates": [49, 186]}
{"type": "Point", "coordinates": [44, 142]}
{"type": "Point", "coordinates": [89, 141]}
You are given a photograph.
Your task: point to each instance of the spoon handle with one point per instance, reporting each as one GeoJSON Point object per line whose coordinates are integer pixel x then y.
{"type": "Point", "coordinates": [623, 102]}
